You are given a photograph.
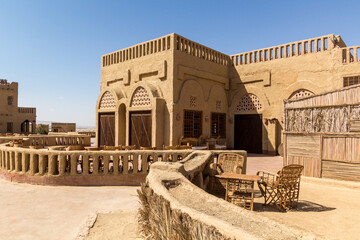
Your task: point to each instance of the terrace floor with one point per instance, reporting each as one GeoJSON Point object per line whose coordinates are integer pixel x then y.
{"type": "Point", "coordinates": [327, 208]}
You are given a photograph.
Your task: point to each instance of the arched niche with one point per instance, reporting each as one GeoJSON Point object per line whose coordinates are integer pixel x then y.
{"type": "Point", "coordinates": [300, 94]}
{"type": "Point", "coordinates": [140, 98]}
{"type": "Point", "coordinates": [107, 101]}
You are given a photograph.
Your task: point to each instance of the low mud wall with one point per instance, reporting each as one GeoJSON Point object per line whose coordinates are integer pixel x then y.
{"type": "Point", "coordinates": [175, 205]}
{"type": "Point", "coordinates": [82, 167]}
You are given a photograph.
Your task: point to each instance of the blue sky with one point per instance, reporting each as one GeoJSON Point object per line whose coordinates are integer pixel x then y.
{"type": "Point", "coordinates": [53, 48]}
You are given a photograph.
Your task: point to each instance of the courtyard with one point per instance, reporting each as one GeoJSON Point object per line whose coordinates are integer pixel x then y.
{"type": "Point", "coordinates": [46, 212]}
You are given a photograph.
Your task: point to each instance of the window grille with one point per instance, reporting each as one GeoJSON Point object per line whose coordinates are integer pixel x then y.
{"type": "Point", "coordinates": [192, 123]}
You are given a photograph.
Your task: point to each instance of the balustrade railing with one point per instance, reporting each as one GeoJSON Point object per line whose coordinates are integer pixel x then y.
{"type": "Point", "coordinates": [299, 48]}
{"type": "Point", "coordinates": [51, 162]}
{"type": "Point", "coordinates": [80, 163]}
{"type": "Point", "coordinates": [137, 51]}
{"type": "Point", "coordinates": [351, 54]}
{"type": "Point", "coordinates": [26, 110]}
{"type": "Point", "coordinates": [195, 49]}
{"type": "Point", "coordinates": [50, 140]}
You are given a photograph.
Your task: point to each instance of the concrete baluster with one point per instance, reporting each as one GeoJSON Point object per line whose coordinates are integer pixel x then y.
{"type": "Point", "coordinates": [136, 163]}
{"type": "Point", "coordinates": [17, 161]}
{"type": "Point", "coordinates": [73, 164]}
{"type": "Point", "coordinates": [95, 165]}
{"type": "Point", "coordinates": [85, 161]}
{"type": "Point", "coordinates": [116, 164]}
{"type": "Point", "coordinates": [144, 166]}
{"type": "Point", "coordinates": [62, 164]}
{"type": "Point", "coordinates": [355, 54]}
{"type": "Point", "coordinates": [1, 159]}
{"type": "Point", "coordinates": [24, 162]}
{"type": "Point", "coordinates": [52, 164]}
{"type": "Point", "coordinates": [106, 164]}
{"type": "Point", "coordinates": [43, 162]}
{"type": "Point", "coordinates": [348, 55]}
{"type": "Point", "coordinates": [126, 164]}
{"type": "Point", "coordinates": [34, 163]}
{"type": "Point", "coordinates": [12, 161]}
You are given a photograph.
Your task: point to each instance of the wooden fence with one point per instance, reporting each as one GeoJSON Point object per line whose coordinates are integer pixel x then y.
{"type": "Point", "coordinates": [329, 155]}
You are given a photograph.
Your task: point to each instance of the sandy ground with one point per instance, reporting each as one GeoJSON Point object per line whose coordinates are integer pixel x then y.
{"type": "Point", "coordinates": [44, 212]}
{"type": "Point", "coordinates": [330, 209]}
{"type": "Point", "coordinates": [327, 208]}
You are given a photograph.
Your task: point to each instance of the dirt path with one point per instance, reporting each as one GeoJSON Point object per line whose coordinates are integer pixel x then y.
{"type": "Point", "coordinates": [46, 212]}
{"type": "Point", "coordinates": [121, 225]}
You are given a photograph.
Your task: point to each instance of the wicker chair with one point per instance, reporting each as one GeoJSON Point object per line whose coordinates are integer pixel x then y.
{"type": "Point", "coordinates": [229, 163]}
{"type": "Point", "coordinates": [281, 189]}
{"type": "Point", "coordinates": [226, 163]}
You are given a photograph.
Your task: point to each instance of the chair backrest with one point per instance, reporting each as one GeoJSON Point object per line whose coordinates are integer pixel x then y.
{"type": "Point", "coordinates": [231, 162]}
{"type": "Point", "coordinates": [170, 147]}
{"type": "Point", "coordinates": [131, 147]}
{"type": "Point", "coordinates": [290, 175]}
{"type": "Point", "coordinates": [189, 141]}
{"type": "Point", "coordinates": [184, 147]}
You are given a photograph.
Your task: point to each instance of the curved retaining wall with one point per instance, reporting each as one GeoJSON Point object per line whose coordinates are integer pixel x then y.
{"type": "Point", "coordinates": [81, 167]}
{"type": "Point", "coordinates": [175, 206]}
{"type": "Point", "coordinates": [51, 140]}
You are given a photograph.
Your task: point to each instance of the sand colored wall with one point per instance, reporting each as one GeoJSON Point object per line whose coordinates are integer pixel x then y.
{"type": "Point", "coordinates": [63, 127]}
{"type": "Point", "coordinates": [147, 65]}
{"type": "Point", "coordinates": [274, 80]}
{"type": "Point", "coordinates": [12, 113]}
{"type": "Point", "coordinates": [185, 75]}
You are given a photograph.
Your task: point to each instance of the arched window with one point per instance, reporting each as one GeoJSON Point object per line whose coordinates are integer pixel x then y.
{"type": "Point", "coordinates": [300, 94]}
{"type": "Point", "coordinates": [140, 98]}
{"type": "Point", "coordinates": [107, 101]}
{"type": "Point", "coordinates": [249, 102]}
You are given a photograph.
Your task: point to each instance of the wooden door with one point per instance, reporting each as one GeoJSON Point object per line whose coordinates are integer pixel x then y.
{"type": "Point", "coordinates": [248, 133]}
{"type": "Point", "coordinates": [140, 129]}
{"type": "Point", "coordinates": [107, 129]}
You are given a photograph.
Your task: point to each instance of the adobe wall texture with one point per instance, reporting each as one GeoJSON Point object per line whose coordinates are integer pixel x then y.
{"type": "Point", "coordinates": [9, 110]}
{"type": "Point", "coordinates": [185, 75]}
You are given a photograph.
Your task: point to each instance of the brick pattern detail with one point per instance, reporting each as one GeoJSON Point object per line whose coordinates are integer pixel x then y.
{"type": "Point", "coordinates": [249, 102]}
{"type": "Point", "coordinates": [218, 105]}
{"type": "Point", "coordinates": [107, 101]}
{"type": "Point", "coordinates": [192, 101]}
{"type": "Point", "coordinates": [140, 98]}
{"type": "Point", "coordinates": [301, 94]}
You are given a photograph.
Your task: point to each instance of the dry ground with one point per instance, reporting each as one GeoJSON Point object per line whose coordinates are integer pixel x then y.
{"type": "Point", "coordinates": [46, 212]}
{"type": "Point", "coordinates": [330, 209]}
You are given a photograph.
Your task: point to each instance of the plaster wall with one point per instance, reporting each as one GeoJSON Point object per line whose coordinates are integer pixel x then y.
{"type": "Point", "coordinates": [12, 113]}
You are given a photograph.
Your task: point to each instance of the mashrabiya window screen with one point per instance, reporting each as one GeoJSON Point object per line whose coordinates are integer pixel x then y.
{"type": "Point", "coordinates": [218, 125]}
{"type": "Point", "coordinates": [192, 123]}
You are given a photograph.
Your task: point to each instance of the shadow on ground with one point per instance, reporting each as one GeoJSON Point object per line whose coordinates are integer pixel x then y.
{"type": "Point", "coordinates": [303, 206]}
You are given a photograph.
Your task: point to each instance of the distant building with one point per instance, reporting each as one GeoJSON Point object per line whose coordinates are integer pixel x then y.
{"type": "Point", "coordinates": [63, 127]}
{"type": "Point", "coordinates": [14, 119]}
{"type": "Point", "coordinates": [43, 126]}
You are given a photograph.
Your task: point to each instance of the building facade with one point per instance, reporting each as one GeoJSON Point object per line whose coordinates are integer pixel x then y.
{"type": "Point", "coordinates": [14, 119]}
{"type": "Point", "coordinates": [63, 127]}
{"type": "Point", "coordinates": [155, 92]}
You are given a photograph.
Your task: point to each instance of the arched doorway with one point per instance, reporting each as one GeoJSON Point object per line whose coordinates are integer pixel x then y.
{"type": "Point", "coordinates": [248, 124]}
{"type": "Point", "coordinates": [140, 119]}
{"type": "Point", "coordinates": [26, 126]}
{"type": "Point", "coordinates": [106, 120]}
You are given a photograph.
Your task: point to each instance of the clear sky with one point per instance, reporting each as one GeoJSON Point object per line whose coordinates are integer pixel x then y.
{"type": "Point", "coordinates": [53, 48]}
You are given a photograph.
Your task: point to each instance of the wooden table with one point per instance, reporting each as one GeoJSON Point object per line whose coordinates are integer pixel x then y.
{"type": "Point", "coordinates": [240, 189]}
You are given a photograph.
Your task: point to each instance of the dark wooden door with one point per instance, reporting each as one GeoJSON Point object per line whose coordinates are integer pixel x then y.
{"type": "Point", "coordinates": [140, 129]}
{"type": "Point", "coordinates": [107, 129]}
{"type": "Point", "coordinates": [248, 133]}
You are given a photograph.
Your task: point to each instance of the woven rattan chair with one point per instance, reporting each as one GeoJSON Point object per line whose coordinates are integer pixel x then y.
{"type": "Point", "coordinates": [281, 189]}
{"type": "Point", "coordinates": [229, 163]}
{"type": "Point", "coordinates": [226, 163]}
